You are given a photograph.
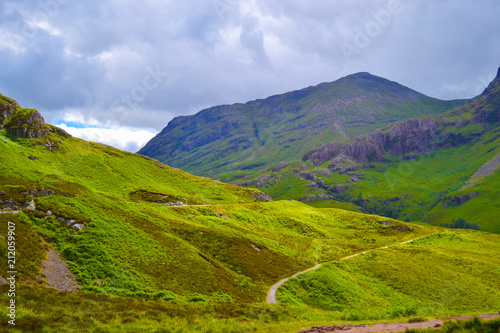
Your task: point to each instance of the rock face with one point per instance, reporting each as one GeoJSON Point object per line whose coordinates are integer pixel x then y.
{"type": "Point", "coordinates": [27, 124]}
{"type": "Point", "coordinates": [7, 109]}
{"type": "Point", "coordinates": [459, 200]}
{"type": "Point", "coordinates": [24, 123]}
{"type": "Point", "coordinates": [419, 135]}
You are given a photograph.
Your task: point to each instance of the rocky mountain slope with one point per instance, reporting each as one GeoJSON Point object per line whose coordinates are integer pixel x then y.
{"type": "Point", "coordinates": [284, 127]}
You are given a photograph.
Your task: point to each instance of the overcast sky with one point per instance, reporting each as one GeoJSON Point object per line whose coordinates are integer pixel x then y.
{"type": "Point", "coordinates": [117, 71]}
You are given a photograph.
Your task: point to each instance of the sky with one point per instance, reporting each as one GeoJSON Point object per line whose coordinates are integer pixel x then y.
{"type": "Point", "coordinates": [117, 71]}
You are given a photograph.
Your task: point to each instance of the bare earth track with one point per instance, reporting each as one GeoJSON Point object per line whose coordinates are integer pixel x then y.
{"type": "Point", "coordinates": [393, 327]}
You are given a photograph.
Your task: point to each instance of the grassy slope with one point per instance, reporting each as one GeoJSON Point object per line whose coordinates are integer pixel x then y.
{"type": "Point", "coordinates": [420, 184]}
{"type": "Point", "coordinates": [145, 247]}
{"type": "Point", "coordinates": [438, 275]}
{"type": "Point", "coordinates": [191, 267]}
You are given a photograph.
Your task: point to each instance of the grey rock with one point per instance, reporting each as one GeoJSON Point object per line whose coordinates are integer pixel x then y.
{"type": "Point", "coordinates": [29, 205]}
{"type": "Point", "coordinates": [261, 197]}
{"type": "Point", "coordinates": [338, 188]}
{"type": "Point", "coordinates": [307, 176]}
{"type": "Point", "coordinates": [280, 166]}
{"type": "Point", "coordinates": [77, 226]}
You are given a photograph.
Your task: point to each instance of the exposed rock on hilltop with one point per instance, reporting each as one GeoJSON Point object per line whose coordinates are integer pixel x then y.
{"type": "Point", "coordinates": [7, 108]}
{"type": "Point", "coordinates": [24, 123]}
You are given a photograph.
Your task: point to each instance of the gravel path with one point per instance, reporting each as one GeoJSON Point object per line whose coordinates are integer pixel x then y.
{"type": "Point", "coordinates": [58, 274]}
{"type": "Point", "coordinates": [393, 327]}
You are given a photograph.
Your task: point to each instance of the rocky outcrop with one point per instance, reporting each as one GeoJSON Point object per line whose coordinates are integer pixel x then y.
{"type": "Point", "coordinates": [280, 166]}
{"type": "Point", "coordinates": [24, 123]}
{"type": "Point", "coordinates": [7, 109]}
{"type": "Point", "coordinates": [459, 200]}
{"type": "Point", "coordinates": [262, 197]}
{"type": "Point", "coordinates": [338, 188]}
{"type": "Point", "coordinates": [307, 175]}
{"type": "Point", "coordinates": [27, 124]}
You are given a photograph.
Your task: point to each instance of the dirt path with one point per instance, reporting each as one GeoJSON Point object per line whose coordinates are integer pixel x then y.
{"type": "Point", "coordinates": [393, 327]}
{"type": "Point", "coordinates": [57, 272]}
{"type": "Point", "coordinates": [271, 295]}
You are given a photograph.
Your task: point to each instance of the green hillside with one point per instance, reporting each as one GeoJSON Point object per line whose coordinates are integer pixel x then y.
{"type": "Point", "coordinates": [419, 278]}
{"type": "Point", "coordinates": [282, 128]}
{"type": "Point", "coordinates": [146, 266]}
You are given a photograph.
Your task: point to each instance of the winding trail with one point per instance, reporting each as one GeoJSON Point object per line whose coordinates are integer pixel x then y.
{"type": "Point", "coordinates": [271, 295]}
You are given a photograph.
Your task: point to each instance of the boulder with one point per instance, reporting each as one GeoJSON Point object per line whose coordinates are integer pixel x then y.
{"type": "Point", "coordinates": [338, 188]}
{"type": "Point", "coordinates": [261, 197]}
{"type": "Point", "coordinates": [29, 205]}
{"type": "Point", "coordinates": [280, 166]}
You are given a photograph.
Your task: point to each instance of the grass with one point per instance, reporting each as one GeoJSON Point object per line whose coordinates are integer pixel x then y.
{"type": "Point", "coordinates": [235, 247]}
{"type": "Point", "coordinates": [437, 275]}
{"type": "Point", "coordinates": [148, 267]}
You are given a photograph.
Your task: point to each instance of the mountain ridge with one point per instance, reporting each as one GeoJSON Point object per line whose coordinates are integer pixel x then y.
{"type": "Point", "coordinates": [236, 136]}
{"type": "Point", "coordinates": [418, 135]}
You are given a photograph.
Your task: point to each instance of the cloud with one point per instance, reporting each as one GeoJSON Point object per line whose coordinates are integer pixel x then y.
{"type": "Point", "coordinates": [95, 57]}
{"type": "Point", "coordinates": [122, 138]}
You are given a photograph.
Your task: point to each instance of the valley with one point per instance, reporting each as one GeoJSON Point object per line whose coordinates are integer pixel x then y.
{"type": "Point", "coordinates": [155, 249]}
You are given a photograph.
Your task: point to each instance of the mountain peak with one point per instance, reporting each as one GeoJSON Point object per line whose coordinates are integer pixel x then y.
{"type": "Point", "coordinates": [362, 75]}
{"type": "Point", "coordinates": [284, 127]}
{"type": "Point", "coordinates": [493, 84]}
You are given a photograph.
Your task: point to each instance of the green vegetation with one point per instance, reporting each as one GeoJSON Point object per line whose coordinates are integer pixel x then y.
{"type": "Point", "coordinates": [437, 275]}
{"type": "Point", "coordinates": [206, 267]}
{"type": "Point", "coordinates": [462, 224]}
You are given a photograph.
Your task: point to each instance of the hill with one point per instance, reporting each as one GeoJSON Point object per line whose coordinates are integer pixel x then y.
{"type": "Point", "coordinates": [138, 261]}
{"type": "Point", "coordinates": [282, 128]}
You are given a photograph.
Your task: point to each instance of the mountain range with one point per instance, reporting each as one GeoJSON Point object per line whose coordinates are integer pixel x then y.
{"type": "Point", "coordinates": [256, 134]}
{"type": "Point", "coordinates": [362, 143]}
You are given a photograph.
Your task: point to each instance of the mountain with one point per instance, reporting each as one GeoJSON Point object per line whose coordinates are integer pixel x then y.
{"type": "Point", "coordinates": [97, 241]}
{"type": "Point", "coordinates": [361, 143]}
{"type": "Point", "coordinates": [434, 169]}
{"type": "Point", "coordinates": [283, 128]}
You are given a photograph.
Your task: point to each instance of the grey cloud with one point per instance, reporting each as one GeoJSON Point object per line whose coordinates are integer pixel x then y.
{"type": "Point", "coordinates": [99, 51]}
